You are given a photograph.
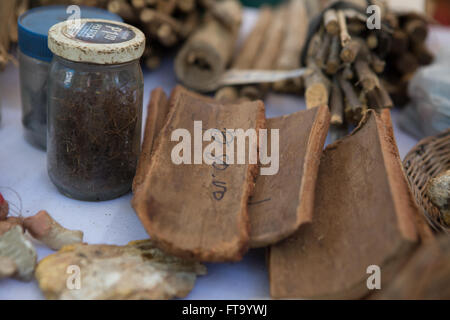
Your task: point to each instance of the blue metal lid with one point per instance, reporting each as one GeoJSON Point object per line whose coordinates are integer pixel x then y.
{"type": "Point", "coordinates": [34, 24]}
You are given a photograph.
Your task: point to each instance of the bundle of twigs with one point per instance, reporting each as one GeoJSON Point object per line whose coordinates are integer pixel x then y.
{"type": "Point", "coordinates": [407, 53]}
{"type": "Point", "coordinates": [354, 68]}
{"type": "Point", "coordinates": [165, 23]}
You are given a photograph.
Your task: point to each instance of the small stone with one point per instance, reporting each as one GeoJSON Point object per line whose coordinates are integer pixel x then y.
{"type": "Point", "coordinates": [438, 190]}
{"type": "Point", "coordinates": [15, 245]}
{"type": "Point", "coordinates": [138, 270]}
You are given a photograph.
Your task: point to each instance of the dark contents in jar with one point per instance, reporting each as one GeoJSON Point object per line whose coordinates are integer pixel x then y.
{"type": "Point", "coordinates": [96, 136]}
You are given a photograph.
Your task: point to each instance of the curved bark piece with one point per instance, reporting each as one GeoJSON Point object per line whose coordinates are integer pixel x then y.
{"type": "Point", "coordinates": [156, 115]}
{"type": "Point", "coordinates": [284, 201]}
{"type": "Point", "coordinates": [364, 215]}
{"type": "Point", "coordinates": [199, 211]}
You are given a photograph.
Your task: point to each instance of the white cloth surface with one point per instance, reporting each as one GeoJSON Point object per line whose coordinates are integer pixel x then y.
{"type": "Point", "coordinates": [23, 168]}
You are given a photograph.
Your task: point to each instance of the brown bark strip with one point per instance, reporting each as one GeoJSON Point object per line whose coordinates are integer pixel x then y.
{"type": "Point", "coordinates": [362, 198]}
{"type": "Point", "coordinates": [199, 211]}
{"type": "Point", "coordinates": [291, 190]}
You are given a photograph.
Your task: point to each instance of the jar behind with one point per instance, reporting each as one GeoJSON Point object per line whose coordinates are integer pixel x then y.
{"type": "Point", "coordinates": [94, 127]}
{"type": "Point", "coordinates": [35, 58]}
{"type": "Point", "coordinates": [33, 90]}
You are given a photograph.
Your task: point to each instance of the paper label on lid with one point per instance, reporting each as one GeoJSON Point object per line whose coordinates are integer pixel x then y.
{"type": "Point", "coordinates": [99, 32]}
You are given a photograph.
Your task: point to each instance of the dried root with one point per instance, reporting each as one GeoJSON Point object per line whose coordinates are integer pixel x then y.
{"type": "Point", "coordinates": [45, 229]}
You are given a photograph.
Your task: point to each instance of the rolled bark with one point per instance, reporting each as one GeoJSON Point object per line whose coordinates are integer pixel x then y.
{"type": "Point", "coordinates": [269, 52]}
{"type": "Point", "coordinates": [204, 57]}
{"type": "Point", "coordinates": [294, 40]}
{"type": "Point", "coordinates": [248, 53]}
{"type": "Point", "coordinates": [246, 57]}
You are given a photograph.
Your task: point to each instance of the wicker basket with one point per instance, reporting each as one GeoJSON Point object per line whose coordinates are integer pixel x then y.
{"type": "Point", "coordinates": [426, 160]}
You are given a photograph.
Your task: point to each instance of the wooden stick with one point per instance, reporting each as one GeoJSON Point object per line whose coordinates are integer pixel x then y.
{"type": "Point", "coordinates": [334, 61]}
{"type": "Point", "coordinates": [367, 77]}
{"type": "Point", "coordinates": [166, 6]}
{"type": "Point", "coordinates": [372, 41]}
{"type": "Point", "coordinates": [377, 64]}
{"type": "Point", "coordinates": [330, 21]}
{"type": "Point", "coordinates": [345, 37]}
{"type": "Point", "coordinates": [353, 104]}
{"type": "Point", "coordinates": [347, 72]}
{"type": "Point", "coordinates": [317, 87]}
{"type": "Point", "coordinates": [186, 5]}
{"type": "Point", "coordinates": [350, 51]}
{"type": "Point", "coordinates": [336, 103]}
{"type": "Point", "coordinates": [324, 51]}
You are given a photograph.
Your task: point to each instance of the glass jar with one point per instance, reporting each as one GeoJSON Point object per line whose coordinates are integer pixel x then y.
{"type": "Point", "coordinates": [94, 119]}
{"type": "Point", "coordinates": [35, 58]}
